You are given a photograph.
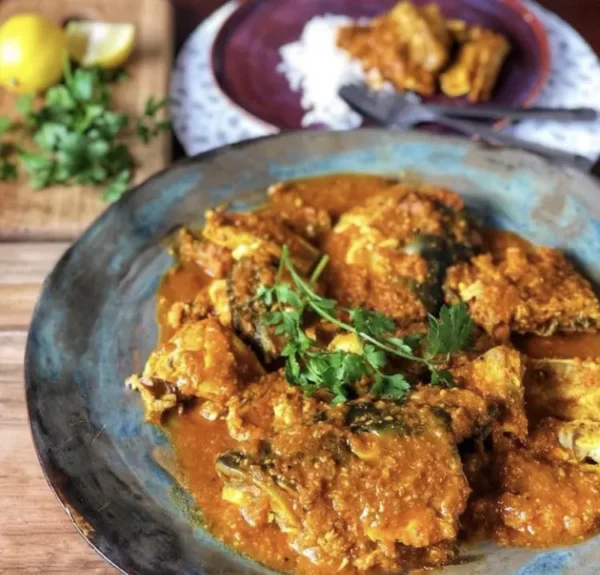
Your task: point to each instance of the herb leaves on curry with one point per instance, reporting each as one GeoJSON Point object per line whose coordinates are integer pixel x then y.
{"type": "Point", "coordinates": [311, 367]}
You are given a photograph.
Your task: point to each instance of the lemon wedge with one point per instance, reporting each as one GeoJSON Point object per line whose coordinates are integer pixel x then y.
{"type": "Point", "coordinates": [102, 44]}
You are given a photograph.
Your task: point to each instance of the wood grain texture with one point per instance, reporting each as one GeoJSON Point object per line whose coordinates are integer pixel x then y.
{"type": "Point", "coordinates": [36, 536]}
{"type": "Point", "coordinates": [23, 268]}
{"type": "Point", "coordinates": [63, 213]}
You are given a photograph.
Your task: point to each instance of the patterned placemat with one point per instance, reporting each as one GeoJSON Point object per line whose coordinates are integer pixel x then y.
{"type": "Point", "coordinates": [205, 118]}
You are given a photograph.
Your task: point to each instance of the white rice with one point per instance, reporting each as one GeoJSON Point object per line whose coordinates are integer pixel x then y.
{"type": "Point", "coordinates": [315, 66]}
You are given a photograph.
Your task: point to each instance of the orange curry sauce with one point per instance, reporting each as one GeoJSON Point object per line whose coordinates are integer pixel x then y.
{"type": "Point", "coordinates": [198, 442]}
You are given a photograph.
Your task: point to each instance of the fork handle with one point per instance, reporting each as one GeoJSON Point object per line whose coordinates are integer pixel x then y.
{"type": "Point", "coordinates": [508, 113]}
{"type": "Point", "coordinates": [491, 136]}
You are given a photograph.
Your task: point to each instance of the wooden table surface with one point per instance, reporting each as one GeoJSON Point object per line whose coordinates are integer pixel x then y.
{"type": "Point", "coordinates": [35, 534]}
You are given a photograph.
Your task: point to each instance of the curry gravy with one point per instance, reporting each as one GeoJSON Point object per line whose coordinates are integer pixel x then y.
{"type": "Point", "coordinates": [197, 442]}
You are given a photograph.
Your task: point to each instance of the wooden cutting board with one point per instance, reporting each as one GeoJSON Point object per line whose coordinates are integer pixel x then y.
{"type": "Point", "coordinates": [63, 213]}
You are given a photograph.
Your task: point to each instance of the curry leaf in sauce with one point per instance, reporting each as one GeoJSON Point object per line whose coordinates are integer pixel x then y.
{"type": "Point", "coordinates": [313, 368]}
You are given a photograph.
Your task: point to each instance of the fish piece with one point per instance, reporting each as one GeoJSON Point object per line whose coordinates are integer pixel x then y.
{"type": "Point", "coordinates": [201, 307]}
{"type": "Point", "coordinates": [246, 311]}
{"type": "Point", "coordinates": [544, 503]}
{"type": "Point", "coordinates": [576, 441]}
{"type": "Point", "coordinates": [190, 248]}
{"type": "Point", "coordinates": [234, 302]}
{"type": "Point", "coordinates": [497, 376]}
{"type": "Point", "coordinates": [202, 360]}
{"type": "Point", "coordinates": [259, 236]}
{"type": "Point", "coordinates": [314, 192]}
{"type": "Point", "coordinates": [475, 72]}
{"type": "Point", "coordinates": [423, 32]}
{"type": "Point", "coordinates": [247, 480]}
{"type": "Point", "coordinates": [540, 493]}
{"type": "Point", "coordinates": [270, 405]}
{"type": "Point", "coordinates": [308, 221]}
{"type": "Point", "coordinates": [581, 438]}
{"type": "Point", "coordinates": [467, 413]}
{"type": "Point", "coordinates": [391, 252]}
{"type": "Point", "coordinates": [533, 290]}
{"type": "Point", "coordinates": [406, 46]}
{"type": "Point", "coordinates": [383, 57]}
{"type": "Point", "coordinates": [458, 29]}
{"type": "Point", "coordinates": [567, 389]}
{"type": "Point", "coordinates": [308, 460]}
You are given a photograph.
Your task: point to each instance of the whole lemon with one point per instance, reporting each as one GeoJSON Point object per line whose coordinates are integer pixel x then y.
{"type": "Point", "coordinates": [31, 53]}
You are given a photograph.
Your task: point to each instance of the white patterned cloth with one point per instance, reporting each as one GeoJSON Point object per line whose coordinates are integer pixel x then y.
{"type": "Point", "coordinates": [205, 118]}
{"type": "Point", "coordinates": [574, 81]}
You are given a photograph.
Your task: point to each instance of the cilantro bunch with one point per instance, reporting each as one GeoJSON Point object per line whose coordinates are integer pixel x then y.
{"type": "Point", "coordinates": [311, 367]}
{"type": "Point", "coordinates": [78, 136]}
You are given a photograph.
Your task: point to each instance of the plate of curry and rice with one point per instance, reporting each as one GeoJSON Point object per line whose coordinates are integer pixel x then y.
{"type": "Point", "coordinates": [360, 353]}
{"type": "Point", "coordinates": [284, 62]}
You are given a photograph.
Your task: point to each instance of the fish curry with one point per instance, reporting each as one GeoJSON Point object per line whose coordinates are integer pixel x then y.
{"type": "Point", "coordinates": [358, 376]}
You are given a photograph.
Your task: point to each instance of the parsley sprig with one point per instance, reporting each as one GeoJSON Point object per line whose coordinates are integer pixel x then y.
{"type": "Point", "coordinates": [312, 367]}
{"type": "Point", "coordinates": [78, 136]}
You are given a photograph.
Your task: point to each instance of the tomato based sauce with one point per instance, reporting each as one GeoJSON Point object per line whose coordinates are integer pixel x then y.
{"type": "Point", "coordinates": [409, 487]}
{"type": "Point", "coordinates": [180, 283]}
{"type": "Point", "coordinates": [197, 444]}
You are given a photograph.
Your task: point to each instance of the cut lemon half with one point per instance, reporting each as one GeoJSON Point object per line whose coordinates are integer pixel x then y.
{"type": "Point", "coordinates": [100, 44]}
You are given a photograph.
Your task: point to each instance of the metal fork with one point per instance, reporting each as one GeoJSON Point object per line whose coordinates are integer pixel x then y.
{"type": "Point", "coordinates": [392, 109]}
{"type": "Point", "coordinates": [495, 112]}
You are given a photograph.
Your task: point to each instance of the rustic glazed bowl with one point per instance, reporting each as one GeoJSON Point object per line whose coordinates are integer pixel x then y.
{"type": "Point", "coordinates": [94, 325]}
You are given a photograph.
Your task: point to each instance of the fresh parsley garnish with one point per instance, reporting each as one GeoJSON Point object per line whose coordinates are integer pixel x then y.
{"type": "Point", "coordinates": [78, 136]}
{"type": "Point", "coordinates": [312, 368]}
{"type": "Point", "coordinates": [451, 332]}
{"type": "Point", "coordinates": [149, 126]}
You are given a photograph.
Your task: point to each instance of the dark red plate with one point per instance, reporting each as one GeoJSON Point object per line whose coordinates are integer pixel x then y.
{"type": "Point", "coordinates": [246, 50]}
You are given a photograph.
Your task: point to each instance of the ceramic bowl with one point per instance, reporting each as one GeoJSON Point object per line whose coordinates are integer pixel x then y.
{"type": "Point", "coordinates": [94, 325]}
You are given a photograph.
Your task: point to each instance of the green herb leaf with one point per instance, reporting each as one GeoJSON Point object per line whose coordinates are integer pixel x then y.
{"type": "Point", "coordinates": [59, 97]}
{"type": "Point", "coordinates": [352, 368]}
{"type": "Point", "coordinates": [153, 105]}
{"type": "Point", "coordinates": [374, 356]}
{"type": "Point", "coordinates": [49, 136]}
{"type": "Point", "coordinates": [33, 162]}
{"type": "Point", "coordinates": [148, 126]}
{"type": "Point", "coordinates": [390, 385]}
{"type": "Point", "coordinates": [401, 344]}
{"type": "Point", "coordinates": [118, 186]}
{"type": "Point", "coordinates": [111, 76]}
{"type": "Point", "coordinates": [372, 323]}
{"type": "Point", "coordinates": [312, 368]}
{"type": "Point", "coordinates": [442, 377]}
{"type": "Point", "coordinates": [286, 295]}
{"type": "Point", "coordinates": [451, 333]}
{"type": "Point", "coordinates": [84, 85]}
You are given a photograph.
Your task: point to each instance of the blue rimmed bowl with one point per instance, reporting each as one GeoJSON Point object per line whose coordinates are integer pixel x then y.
{"type": "Point", "coordinates": [94, 325]}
